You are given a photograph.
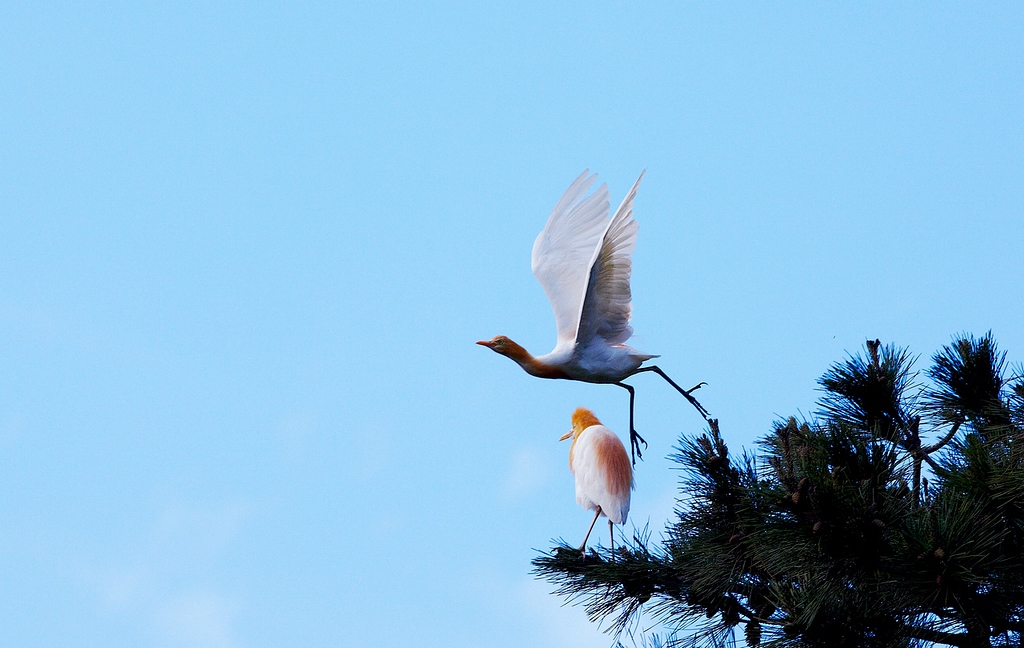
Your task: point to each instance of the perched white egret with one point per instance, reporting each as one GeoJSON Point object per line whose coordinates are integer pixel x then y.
{"type": "Point", "coordinates": [582, 259]}
{"type": "Point", "coordinates": [604, 476]}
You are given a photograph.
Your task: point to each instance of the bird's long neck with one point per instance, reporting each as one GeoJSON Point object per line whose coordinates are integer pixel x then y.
{"type": "Point", "coordinates": [531, 364]}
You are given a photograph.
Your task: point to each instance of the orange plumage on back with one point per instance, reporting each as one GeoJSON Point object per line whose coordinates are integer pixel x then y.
{"type": "Point", "coordinates": [618, 471]}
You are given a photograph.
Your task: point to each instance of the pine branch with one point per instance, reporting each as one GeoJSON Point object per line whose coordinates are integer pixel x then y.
{"type": "Point", "coordinates": [610, 585]}
{"type": "Point", "coordinates": [944, 440]}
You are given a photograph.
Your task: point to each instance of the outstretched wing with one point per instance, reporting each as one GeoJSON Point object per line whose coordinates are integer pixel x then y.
{"type": "Point", "coordinates": [565, 249]}
{"type": "Point", "coordinates": [608, 304]}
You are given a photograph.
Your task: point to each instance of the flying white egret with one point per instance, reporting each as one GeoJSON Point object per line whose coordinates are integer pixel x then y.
{"type": "Point", "coordinates": [602, 471]}
{"type": "Point", "coordinates": [582, 260]}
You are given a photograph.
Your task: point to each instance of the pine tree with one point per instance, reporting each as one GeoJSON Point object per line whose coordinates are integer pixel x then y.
{"type": "Point", "coordinates": [843, 530]}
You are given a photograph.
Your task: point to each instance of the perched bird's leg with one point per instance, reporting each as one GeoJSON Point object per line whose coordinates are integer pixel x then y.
{"type": "Point", "coordinates": [592, 523]}
{"type": "Point", "coordinates": [634, 447]}
{"type": "Point", "coordinates": [611, 532]}
{"type": "Point", "coordinates": [693, 401]}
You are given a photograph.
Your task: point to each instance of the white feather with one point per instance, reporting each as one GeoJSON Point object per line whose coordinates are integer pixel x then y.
{"type": "Point", "coordinates": [564, 251]}
{"type": "Point", "coordinates": [608, 304]}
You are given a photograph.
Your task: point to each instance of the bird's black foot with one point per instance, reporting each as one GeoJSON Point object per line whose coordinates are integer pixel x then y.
{"type": "Point", "coordinates": [635, 446]}
{"type": "Point", "coordinates": [693, 401]}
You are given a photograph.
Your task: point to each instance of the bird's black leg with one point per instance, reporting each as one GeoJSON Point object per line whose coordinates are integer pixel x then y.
{"type": "Point", "coordinates": [583, 547]}
{"type": "Point", "coordinates": [634, 447]}
{"type": "Point", "coordinates": [684, 392]}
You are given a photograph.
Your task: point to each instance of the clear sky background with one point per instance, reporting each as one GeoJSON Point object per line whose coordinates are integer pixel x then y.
{"type": "Point", "coordinates": [245, 251]}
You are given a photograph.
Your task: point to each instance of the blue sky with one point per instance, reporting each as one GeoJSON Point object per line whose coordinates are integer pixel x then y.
{"type": "Point", "coordinates": [245, 251]}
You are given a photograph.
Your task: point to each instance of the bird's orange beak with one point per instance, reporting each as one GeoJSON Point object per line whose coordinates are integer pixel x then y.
{"type": "Point", "coordinates": [487, 343]}
{"type": "Point", "coordinates": [566, 435]}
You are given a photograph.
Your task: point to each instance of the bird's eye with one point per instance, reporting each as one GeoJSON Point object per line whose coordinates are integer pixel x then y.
{"type": "Point", "coordinates": [499, 342]}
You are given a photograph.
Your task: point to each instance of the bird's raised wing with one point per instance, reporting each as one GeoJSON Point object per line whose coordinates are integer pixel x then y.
{"type": "Point", "coordinates": [565, 249]}
{"type": "Point", "coordinates": [608, 304]}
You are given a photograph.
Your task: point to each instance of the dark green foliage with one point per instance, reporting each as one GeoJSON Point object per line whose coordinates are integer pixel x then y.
{"type": "Point", "coordinates": [869, 394]}
{"type": "Point", "coordinates": [846, 529]}
{"type": "Point", "coordinates": [968, 377]}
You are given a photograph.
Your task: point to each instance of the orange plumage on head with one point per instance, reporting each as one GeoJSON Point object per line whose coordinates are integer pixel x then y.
{"type": "Point", "coordinates": [583, 418]}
